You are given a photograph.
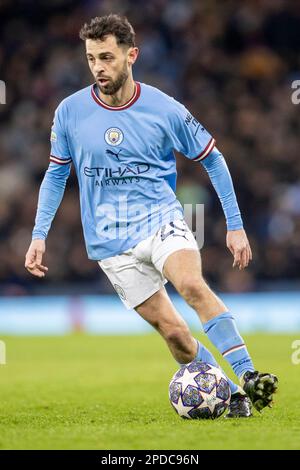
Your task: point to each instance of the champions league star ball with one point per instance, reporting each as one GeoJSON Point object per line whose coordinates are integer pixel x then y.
{"type": "Point", "coordinates": [199, 391]}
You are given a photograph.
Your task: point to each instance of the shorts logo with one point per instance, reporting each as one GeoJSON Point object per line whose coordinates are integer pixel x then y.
{"type": "Point", "coordinates": [114, 136]}
{"type": "Point", "coordinates": [120, 291]}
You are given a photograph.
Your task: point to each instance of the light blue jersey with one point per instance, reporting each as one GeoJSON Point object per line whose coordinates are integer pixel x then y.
{"type": "Point", "coordinates": [125, 164]}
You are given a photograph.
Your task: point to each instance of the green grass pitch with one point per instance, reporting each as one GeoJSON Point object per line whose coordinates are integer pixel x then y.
{"type": "Point", "coordinates": [93, 392]}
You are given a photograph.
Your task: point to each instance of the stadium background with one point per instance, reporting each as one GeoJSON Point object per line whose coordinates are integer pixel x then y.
{"type": "Point", "coordinates": [232, 64]}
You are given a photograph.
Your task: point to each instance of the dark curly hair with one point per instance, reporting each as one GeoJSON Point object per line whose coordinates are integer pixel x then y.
{"type": "Point", "coordinates": [102, 26]}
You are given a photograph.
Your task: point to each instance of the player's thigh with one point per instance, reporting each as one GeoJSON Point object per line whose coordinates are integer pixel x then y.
{"type": "Point", "coordinates": [176, 255]}
{"type": "Point", "coordinates": [183, 268]}
{"type": "Point", "coordinates": [172, 238]}
{"type": "Point", "coordinates": [159, 311]}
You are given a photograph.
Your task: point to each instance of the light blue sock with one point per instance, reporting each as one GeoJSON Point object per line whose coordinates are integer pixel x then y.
{"type": "Point", "coordinates": [223, 333]}
{"type": "Point", "coordinates": [204, 355]}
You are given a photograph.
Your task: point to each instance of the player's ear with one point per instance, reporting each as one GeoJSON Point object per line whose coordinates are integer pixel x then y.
{"type": "Point", "coordinates": [133, 53]}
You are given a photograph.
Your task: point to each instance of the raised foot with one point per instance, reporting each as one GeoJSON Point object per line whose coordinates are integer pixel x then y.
{"type": "Point", "coordinates": [260, 388]}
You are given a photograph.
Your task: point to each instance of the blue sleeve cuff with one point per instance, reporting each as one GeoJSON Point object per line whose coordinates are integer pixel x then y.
{"type": "Point", "coordinates": [38, 235]}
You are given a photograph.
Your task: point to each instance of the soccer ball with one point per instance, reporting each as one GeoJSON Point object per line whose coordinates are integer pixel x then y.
{"type": "Point", "coordinates": [199, 391]}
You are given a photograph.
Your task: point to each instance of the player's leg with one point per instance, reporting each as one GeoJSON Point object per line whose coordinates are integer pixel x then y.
{"type": "Point", "coordinates": [141, 286]}
{"type": "Point", "coordinates": [151, 301]}
{"type": "Point", "coordinates": [183, 269]}
{"type": "Point", "coordinates": [159, 311]}
{"type": "Point", "coordinates": [161, 314]}
{"type": "Point", "coordinates": [176, 255]}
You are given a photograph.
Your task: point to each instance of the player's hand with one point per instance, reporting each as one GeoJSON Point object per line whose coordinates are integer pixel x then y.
{"type": "Point", "coordinates": [237, 242]}
{"type": "Point", "coordinates": [34, 258]}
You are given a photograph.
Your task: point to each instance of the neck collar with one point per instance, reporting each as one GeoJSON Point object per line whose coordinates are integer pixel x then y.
{"type": "Point", "coordinates": [133, 99]}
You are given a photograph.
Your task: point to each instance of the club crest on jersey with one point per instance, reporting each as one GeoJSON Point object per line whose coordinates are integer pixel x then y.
{"type": "Point", "coordinates": [114, 136]}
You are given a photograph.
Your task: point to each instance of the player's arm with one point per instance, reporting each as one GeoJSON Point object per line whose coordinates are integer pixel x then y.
{"type": "Point", "coordinates": [237, 241]}
{"type": "Point", "coordinates": [192, 139]}
{"type": "Point", "coordinates": [50, 196]}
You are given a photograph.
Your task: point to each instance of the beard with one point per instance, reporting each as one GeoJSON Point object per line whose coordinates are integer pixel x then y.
{"type": "Point", "coordinates": [114, 85]}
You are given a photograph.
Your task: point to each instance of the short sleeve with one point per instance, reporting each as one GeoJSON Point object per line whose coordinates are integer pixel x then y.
{"type": "Point", "coordinates": [188, 135]}
{"type": "Point", "coordinates": [60, 152]}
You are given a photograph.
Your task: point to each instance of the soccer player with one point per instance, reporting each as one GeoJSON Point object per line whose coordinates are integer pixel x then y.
{"type": "Point", "coordinates": [120, 135]}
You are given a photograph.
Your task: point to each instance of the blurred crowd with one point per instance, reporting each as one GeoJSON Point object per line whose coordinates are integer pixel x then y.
{"type": "Point", "coordinates": [231, 63]}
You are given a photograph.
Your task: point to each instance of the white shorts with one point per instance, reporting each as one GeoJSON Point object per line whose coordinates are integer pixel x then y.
{"type": "Point", "coordinates": [137, 273]}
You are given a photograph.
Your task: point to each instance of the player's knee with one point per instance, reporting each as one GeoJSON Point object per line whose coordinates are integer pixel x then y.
{"type": "Point", "coordinates": [193, 290]}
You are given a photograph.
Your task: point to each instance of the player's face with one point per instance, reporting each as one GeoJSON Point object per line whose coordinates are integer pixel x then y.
{"type": "Point", "coordinates": [110, 63]}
